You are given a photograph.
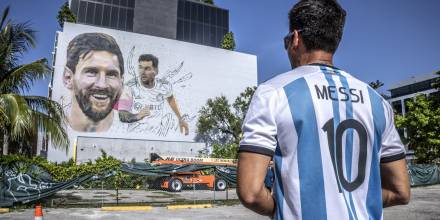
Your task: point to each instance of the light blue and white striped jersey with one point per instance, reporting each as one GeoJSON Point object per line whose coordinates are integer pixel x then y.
{"type": "Point", "coordinates": [328, 133]}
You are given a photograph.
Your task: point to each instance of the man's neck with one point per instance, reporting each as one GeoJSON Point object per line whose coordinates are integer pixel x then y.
{"type": "Point", "coordinates": [149, 84]}
{"type": "Point", "coordinates": [316, 57]}
{"type": "Point", "coordinates": [80, 122]}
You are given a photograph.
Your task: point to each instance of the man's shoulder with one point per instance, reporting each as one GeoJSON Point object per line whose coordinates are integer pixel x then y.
{"type": "Point", "coordinates": [283, 79]}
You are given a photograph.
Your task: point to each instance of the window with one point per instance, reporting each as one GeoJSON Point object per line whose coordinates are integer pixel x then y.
{"type": "Point", "coordinates": [179, 35]}
{"type": "Point", "coordinates": [199, 30]}
{"type": "Point", "coordinates": [129, 24]}
{"type": "Point", "coordinates": [131, 3]}
{"type": "Point", "coordinates": [115, 2]}
{"type": "Point", "coordinates": [98, 14]}
{"type": "Point", "coordinates": [397, 106]}
{"type": "Point", "coordinates": [200, 13]}
{"type": "Point", "coordinates": [124, 3]}
{"type": "Point", "coordinates": [207, 35]}
{"type": "Point", "coordinates": [186, 31]}
{"type": "Point", "coordinates": [206, 15]}
{"type": "Point", "coordinates": [82, 12]}
{"type": "Point", "coordinates": [181, 10]}
{"type": "Point", "coordinates": [122, 18]}
{"type": "Point", "coordinates": [193, 32]}
{"type": "Point", "coordinates": [90, 18]}
{"type": "Point", "coordinates": [114, 17]}
{"type": "Point", "coordinates": [187, 10]}
{"type": "Point", "coordinates": [74, 6]}
{"type": "Point", "coordinates": [106, 16]}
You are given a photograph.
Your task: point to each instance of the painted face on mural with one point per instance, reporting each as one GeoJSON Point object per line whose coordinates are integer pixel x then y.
{"type": "Point", "coordinates": [97, 84]}
{"type": "Point", "coordinates": [147, 72]}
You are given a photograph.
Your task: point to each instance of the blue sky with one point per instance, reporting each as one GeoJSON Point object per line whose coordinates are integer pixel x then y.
{"type": "Point", "coordinates": [389, 40]}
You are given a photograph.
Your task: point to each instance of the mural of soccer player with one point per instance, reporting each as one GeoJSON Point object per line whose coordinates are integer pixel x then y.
{"type": "Point", "coordinates": [144, 102]}
{"type": "Point", "coordinates": [93, 73]}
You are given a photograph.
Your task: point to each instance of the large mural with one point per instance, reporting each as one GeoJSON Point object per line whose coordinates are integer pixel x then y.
{"type": "Point", "coordinates": [116, 84]}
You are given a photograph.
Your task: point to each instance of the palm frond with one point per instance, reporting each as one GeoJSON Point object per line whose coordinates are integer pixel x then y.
{"type": "Point", "coordinates": [22, 77]}
{"type": "Point", "coordinates": [4, 16]}
{"type": "Point", "coordinates": [47, 106]}
{"type": "Point", "coordinates": [56, 131]}
{"type": "Point", "coordinates": [17, 113]}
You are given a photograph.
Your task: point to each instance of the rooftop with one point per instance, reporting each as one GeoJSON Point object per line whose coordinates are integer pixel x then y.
{"type": "Point", "coordinates": [414, 79]}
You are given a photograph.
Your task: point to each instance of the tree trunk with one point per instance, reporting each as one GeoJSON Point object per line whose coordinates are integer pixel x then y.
{"type": "Point", "coordinates": [5, 143]}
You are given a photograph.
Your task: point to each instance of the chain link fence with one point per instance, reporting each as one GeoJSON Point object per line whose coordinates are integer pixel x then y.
{"type": "Point", "coordinates": [123, 188]}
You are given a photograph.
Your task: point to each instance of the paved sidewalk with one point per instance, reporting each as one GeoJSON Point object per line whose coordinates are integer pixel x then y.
{"type": "Point", "coordinates": [424, 205]}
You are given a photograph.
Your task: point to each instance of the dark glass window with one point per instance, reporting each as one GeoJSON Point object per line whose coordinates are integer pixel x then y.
{"type": "Point", "coordinates": [213, 36]}
{"type": "Point", "coordinates": [199, 38]}
{"type": "Point", "coordinates": [108, 1]}
{"type": "Point", "coordinates": [179, 30]}
{"type": "Point", "coordinates": [213, 16]}
{"type": "Point", "coordinates": [114, 17]}
{"type": "Point", "coordinates": [193, 32]}
{"type": "Point", "coordinates": [90, 18]}
{"type": "Point", "coordinates": [106, 16]}
{"type": "Point", "coordinates": [74, 6]}
{"type": "Point", "coordinates": [206, 17]}
{"type": "Point", "coordinates": [130, 16]}
{"type": "Point", "coordinates": [200, 12]}
{"type": "Point", "coordinates": [186, 31]}
{"type": "Point", "coordinates": [98, 14]}
{"type": "Point", "coordinates": [397, 106]}
{"type": "Point", "coordinates": [82, 12]}
{"type": "Point", "coordinates": [116, 2]}
{"type": "Point", "coordinates": [124, 3]}
{"type": "Point", "coordinates": [131, 3]}
{"type": "Point", "coordinates": [226, 19]}
{"type": "Point", "coordinates": [122, 18]}
{"type": "Point", "coordinates": [187, 10]}
{"type": "Point", "coordinates": [406, 104]}
{"type": "Point", "coordinates": [180, 10]}
{"type": "Point", "coordinates": [219, 18]}
{"type": "Point", "coordinates": [193, 12]}
{"type": "Point", "coordinates": [206, 35]}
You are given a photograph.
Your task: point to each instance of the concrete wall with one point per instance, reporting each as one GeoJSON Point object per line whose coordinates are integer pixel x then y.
{"type": "Point", "coordinates": [157, 18]}
{"type": "Point", "coordinates": [89, 148]}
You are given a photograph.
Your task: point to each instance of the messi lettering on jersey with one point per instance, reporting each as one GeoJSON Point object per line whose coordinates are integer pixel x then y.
{"type": "Point", "coordinates": [339, 94]}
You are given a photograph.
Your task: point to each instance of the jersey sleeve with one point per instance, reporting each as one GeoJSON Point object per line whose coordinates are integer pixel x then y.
{"type": "Point", "coordinates": [392, 148]}
{"type": "Point", "coordinates": [259, 127]}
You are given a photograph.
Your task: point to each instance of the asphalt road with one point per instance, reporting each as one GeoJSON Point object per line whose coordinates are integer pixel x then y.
{"type": "Point", "coordinates": [424, 204]}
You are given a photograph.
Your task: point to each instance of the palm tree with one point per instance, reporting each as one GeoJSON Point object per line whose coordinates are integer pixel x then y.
{"type": "Point", "coordinates": [376, 85]}
{"type": "Point", "coordinates": [22, 116]}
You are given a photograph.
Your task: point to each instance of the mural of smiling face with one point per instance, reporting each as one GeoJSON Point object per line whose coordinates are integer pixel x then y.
{"type": "Point", "coordinates": [97, 83]}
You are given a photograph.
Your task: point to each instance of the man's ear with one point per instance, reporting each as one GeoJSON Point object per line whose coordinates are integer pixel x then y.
{"type": "Point", "coordinates": [296, 39]}
{"type": "Point", "coordinates": [68, 78]}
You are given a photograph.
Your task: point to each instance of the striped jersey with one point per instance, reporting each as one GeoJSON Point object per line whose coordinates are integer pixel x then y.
{"type": "Point", "coordinates": [328, 132]}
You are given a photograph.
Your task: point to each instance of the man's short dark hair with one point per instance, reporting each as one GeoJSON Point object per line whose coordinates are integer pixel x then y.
{"type": "Point", "coordinates": [83, 44]}
{"type": "Point", "coordinates": [320, 22]}
{"type": "Point", "coordinates": [149, 57]}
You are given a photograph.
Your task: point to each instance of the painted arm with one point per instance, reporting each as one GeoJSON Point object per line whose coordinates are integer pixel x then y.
{"type": "Point", "coordinates": [251, 190]}
{"type": "Point", "coordinates": [395, 183]}
{"type": "Point", "coordinates": [182, 124]}
{"type": "Point", "coordinates": [128, 117]}
{"type": "Point", "coordinates": [125, 104]}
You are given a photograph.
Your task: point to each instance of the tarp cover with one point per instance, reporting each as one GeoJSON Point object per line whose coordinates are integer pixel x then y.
{"type": "Point", "coordinates": [423, 174]}
{"type": "Point", "coordinates": [36, 183]}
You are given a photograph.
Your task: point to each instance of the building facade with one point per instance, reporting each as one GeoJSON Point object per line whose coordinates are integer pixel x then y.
{"type": "Point", "coordinates": [186, 20]}
{"type": "Point", "coordinates": [409, 89]}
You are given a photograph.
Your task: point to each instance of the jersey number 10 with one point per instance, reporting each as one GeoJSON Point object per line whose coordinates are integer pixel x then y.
{"type": "Point", "coordinates": [336, 151]}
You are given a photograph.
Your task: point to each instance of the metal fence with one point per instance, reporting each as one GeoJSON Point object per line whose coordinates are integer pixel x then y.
{"type": "Point", "coordinates": [129, 189]}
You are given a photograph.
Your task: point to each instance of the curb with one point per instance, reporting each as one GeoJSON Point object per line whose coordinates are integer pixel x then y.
{"type": "Point", "coordinates": [4, 210]}
{"type": "Point", "coordinates": [200, 206]}
{"type": "Point", "coordinates": [126, 208]}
